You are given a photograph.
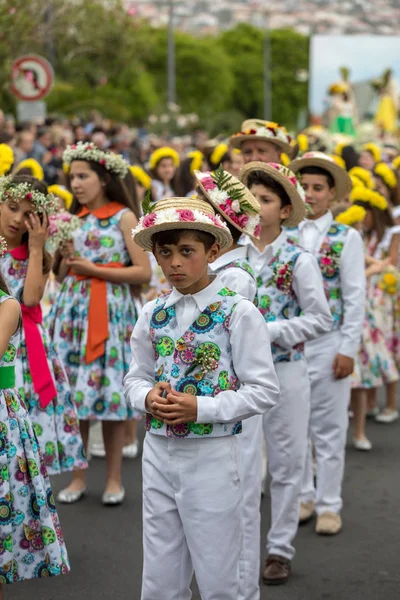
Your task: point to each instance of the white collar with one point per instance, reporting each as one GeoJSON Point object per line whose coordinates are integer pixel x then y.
{"type": "Point", "coordinates": [272, 248]}
{"type": "Point", "coordinates": [322, 223]}
{"type": "Point", "coordinates": [202, 298]}
{"type": "Point", "coordinates": [228, 257]}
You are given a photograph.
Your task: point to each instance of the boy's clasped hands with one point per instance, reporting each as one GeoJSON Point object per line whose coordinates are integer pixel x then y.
{"type": "Point", "coordinates": [170, 406]}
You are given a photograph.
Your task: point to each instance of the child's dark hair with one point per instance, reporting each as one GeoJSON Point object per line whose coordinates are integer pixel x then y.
{"type": "Point", "coordinates": [383, 219]}
{"type": "Point", "coordinates": [39, 186]}
{"type": "Point", "coordinates": [262, 178]}
{"type": "Point", "coordinates": [114, 189]}
{"type": "Point", "coordinates": [319, 171]}
{"type": "Point", "coordinates": [185, 180]}
{"type": "Point", "coordinates": [173, 236]}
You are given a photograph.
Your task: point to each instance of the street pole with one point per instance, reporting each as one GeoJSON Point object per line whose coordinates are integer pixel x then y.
{"type": "Point", "coordinates": [50, 48]}
{"type": "Point", "coordinates": [171, 56]}
{"type": "Point", "coordinates": [267, 70]}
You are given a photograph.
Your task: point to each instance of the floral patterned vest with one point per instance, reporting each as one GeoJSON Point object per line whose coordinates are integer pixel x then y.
{"type": "Point", "coordinates": [329, 256]}
{"type": "Point", "coordinates": [199, 362]}
{"type": "Point", "coordinates": [276, 298]}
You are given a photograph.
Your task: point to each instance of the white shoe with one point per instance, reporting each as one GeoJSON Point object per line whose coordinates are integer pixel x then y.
{"type": "Point", "coordinates": [363, 444]}
{"type": "Point", "coordinates": [371, 414]}
{"type": "Point", "coordinates": [110, 499]}
{"type": "Point", "coordinates": [70, 497]}
{"type": "Point", "coordinates": [97, 450]}
{"type": "Point", "coordinates": [131, 450]}
{"type": "Point", "coordinates": [387, 416]}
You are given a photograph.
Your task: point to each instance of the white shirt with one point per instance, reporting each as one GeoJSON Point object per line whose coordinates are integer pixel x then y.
{"type": "Point", "coordinates": [309, 289]}
{"type": "Point", "coordinates": [352, 277]}
{"type": "Point", "coordinates": [235, 278]}
{"type": "Point", "coordinates": [259, 387]}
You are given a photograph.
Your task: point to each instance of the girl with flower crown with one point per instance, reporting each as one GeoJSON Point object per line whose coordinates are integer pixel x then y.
{"type": "Point", "coordinates": [163, 164]}
{"type": "Point", "coordinates": [32, 544]}
{"type": "Point", "coordinates": [382, 240]}
{"type": "Point", "coordinates": [93, 317]}
{"type": "Point", "coordinates": [24, 209]}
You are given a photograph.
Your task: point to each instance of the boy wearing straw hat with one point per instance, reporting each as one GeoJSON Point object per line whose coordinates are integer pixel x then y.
{"type": "Point", "coordinates": [260, 140]}
{"type": "Point", "coordinates": [291, 299]}
{"type": "Point", "coordinates": [240, 211]}
{"type": "Point", "coordinates": [340, 253]}
{"type": "Point", "coordinates": [197, 373]}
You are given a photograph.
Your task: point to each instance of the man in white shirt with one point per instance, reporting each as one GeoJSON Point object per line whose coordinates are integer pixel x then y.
{"type": "Point", "coordinates": [197, 344]}
{"type": "Point", "coordinates": [291, 298]}
{"type": "Point", "coordinates": [340, 253]}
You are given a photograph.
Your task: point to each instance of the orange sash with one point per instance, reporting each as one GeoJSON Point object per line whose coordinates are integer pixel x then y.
{"type": "Point", "coordinates": [98, 309]}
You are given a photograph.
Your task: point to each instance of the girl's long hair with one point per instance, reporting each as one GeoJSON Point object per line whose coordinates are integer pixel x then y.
{"type": "Point", "coordinates": [39, 186]}
{"type": "Point", "coordinates": [383, 219]}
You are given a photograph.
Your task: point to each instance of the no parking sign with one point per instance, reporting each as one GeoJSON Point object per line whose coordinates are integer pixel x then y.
{"type": "Point", "coordinates": [32, 78]}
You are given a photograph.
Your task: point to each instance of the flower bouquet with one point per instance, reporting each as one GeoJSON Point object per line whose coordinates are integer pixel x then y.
{"type": "Point", "coordinates": [390, 281]}
{"type": "Point", "coordinates": [61, 227]}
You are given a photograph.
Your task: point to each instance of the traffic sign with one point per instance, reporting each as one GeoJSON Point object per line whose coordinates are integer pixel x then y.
{"type": "Point", "coordinates": [32, 77]}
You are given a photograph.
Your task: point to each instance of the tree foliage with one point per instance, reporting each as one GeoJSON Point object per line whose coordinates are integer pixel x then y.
{"type": "Point", "coordinates": [108, 60]}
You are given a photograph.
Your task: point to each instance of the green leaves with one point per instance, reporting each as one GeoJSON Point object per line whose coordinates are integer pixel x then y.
{"type": "Point", "coordinates": [223, 180]}
{"type": "Point", "coordinates": [146, 204]}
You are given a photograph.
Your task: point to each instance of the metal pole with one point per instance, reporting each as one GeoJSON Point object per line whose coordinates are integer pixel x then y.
{"type": "Point", "coordinates": [267, 70]}
{"type": "Point", "coordinates": [50, 48]}
{"type": "Point", "coordinates": [171, 56]}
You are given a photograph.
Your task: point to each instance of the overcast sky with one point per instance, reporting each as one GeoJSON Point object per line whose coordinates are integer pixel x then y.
{"type": "Point", "coordinates": [366, 56]}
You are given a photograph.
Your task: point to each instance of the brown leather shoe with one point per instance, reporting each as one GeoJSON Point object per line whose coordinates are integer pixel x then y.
{"type": "Point", "coordinates": [277, 570]}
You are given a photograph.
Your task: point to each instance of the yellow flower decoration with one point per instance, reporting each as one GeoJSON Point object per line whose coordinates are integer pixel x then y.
{"type": "Point", "coordinates": [339, 148]}
{"type": "Point", "coordinates": [285, 160]}
{"type": "Point", "coordinates": [6, 159]}
{"type": "Point", "coordinates": [339, 161]}
{"type": "Point", "coordinates": [362, 194]}
{"type": "Point", "coordinates": [218, 153]}
{"type": "Point", "coordinates": [141, 176]}
{"type": "Point", "coordinates": [356, 181]}
{"type": "Point", "coordinates": [396, 163]}
{"type": "Point", "coordinates": [390, 280]}
{"type": "Point", "coordinates": [236, 151]}
{"type": "Point", "coordinates": [374, 150]}
{"type": "Point", "coordinates": [385, 172]}
{"type": "Point", "coordinates": [364, 176]}
{"type": "Point", "coordinates": [65, 168]}
{"type": "Point", "coordinates": [197, 160]}
{"type": "Point", "coordinates": [62, 193]}
{"type": "Point", "coordinates": [34, 167]}
{"type": "Point", "coordinates": [302, 142]}
{"type": "Point", "coordinates": [351, 216]}
{"type": "Point", "coordinates": [164, 152]}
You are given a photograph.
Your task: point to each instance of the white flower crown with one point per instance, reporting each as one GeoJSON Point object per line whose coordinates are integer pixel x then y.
{"type": "Point", "coordinates": [9, 190]}
{"type": "Point", "coordinates": [86, 151]}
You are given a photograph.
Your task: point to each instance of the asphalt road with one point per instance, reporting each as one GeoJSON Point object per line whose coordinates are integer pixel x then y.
{"type": "Point", "coordinates": [362, 563]}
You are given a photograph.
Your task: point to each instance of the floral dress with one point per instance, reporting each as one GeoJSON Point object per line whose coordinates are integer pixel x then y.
{"type": "Point", "coordinates": [98, 386]}
{"type": "Point", "coordinates": [56, 425]}
{"type": "Point", "coordinates": [31, 540]}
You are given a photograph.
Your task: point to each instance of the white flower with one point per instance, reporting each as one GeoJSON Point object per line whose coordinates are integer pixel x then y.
{"type": "Point", "coordinates": [202, 218]}
{"type": "Point", "coordinates": [169, 215]}
{"type": "Point", "coordinates": [301, 191]}
{"type": "Point", "coordinates": [236, 206]}
{"type": "Point", "coordinates": [282, 136]}
{"type": "Point", "coordinates": [264, 132]}
{"type": "Point", "coordinates": [218, 196]}
{"type": "Point", "coordinates": [253, 222]}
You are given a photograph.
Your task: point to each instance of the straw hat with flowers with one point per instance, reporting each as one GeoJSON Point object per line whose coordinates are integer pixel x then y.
{"type": "Point", "coordinates": [287, 179]}
{"type": "Point", "coordinates": [179, 213]}
{"type": "Point", "coordinates": [343, 184]}
{"type": "Point", "coordinates": [257, 129]}
{"type": "Point", "coordinates": [232, 199]}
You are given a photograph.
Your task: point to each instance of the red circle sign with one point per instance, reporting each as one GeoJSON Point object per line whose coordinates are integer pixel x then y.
{"type": "Point", "coordinates": [32, 77]}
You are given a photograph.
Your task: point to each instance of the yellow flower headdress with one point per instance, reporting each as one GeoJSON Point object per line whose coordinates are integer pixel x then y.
{"type": "Point", "coordinates": [364, 176]}
{"type": "Point", "coordinates": [372, 198]}
{"type": "Point", "coordinates": [339, 148]}
{"type": "Point", "coordinates": [338, 160]}
{"type": "Point", "coordinates": [218, 154]}
{"type": "Point", "coordinates": [338, 88]}
{"type": "Point", "coordinates": [396, 163]}
{"type": "Point", "coordinates": [197, 160]}
{"type": "Point", "coordinates": [302, 142]}
{"type": "Point", "coordinates": [34, 167]}
{"type": "Point", "coordinates": [351, 216]}
{"type": "Point", "coordinates": [374, 150]}
{"type": "Point", "coordinates": [164, 152]}
{"type": "Point", "coordinates": [62, 193]}
{"type": "Point", "coordinates": [386, 174]}
{"type": "Point", "coordinates": [141, 176]}
{"type": "Point", "coordinates": [6, 159]}
{"type": "Point", "coordinates": [285, 160]}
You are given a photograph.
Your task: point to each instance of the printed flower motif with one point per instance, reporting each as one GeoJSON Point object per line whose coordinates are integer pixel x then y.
{"type": "Point", "coordinates": [329, 260]}
{"type": "Point", "coordinates": [282, 278]}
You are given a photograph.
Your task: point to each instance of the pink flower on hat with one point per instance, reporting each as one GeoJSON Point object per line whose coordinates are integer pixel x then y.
{"type": "Point", "coordinates": [149, 220]}
{"type": "Point", "coordinates": [242, 220]}
{"type": "Point", "coordinates": [186, 215]}
{"type": "Point", "coordinates": [208, 183]}
{"type": "Point", "coordinates": [257, 230]}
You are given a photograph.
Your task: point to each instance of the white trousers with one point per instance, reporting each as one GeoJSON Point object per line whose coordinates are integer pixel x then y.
{"type": "Point", "coordinates": [192, 517]}
{"type": "Point", "coordinates": [328, 426]}
{"type": "Point", "coordinates": [250, 443]}
{"type": "Point", "coordinates": [285, 431]}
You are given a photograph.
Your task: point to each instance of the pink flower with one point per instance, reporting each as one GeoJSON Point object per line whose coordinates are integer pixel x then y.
{"type": "Point", "coordinates": [280, 281]}
{"type": "Point", "coordinates": [186, 215]}
{"type": "Point", "coordinates": [243, 220]}
{"type": "Point", "coordinates": [208, 183]}
{"type": "Point", "coordinates": [257, 231]}
{"type": "Point", "coordinates": [28, 196]}
{"type": "Point", "coordinates": [215, 220]}
{"type": "Point", "coordinates": [226, 208]}
{"type": "Point", "coordinates": [103, 161]}
{"type": "Point", "coordinates": [326, 261]}
{"type": "Point", "coordinates": [149, 220]}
